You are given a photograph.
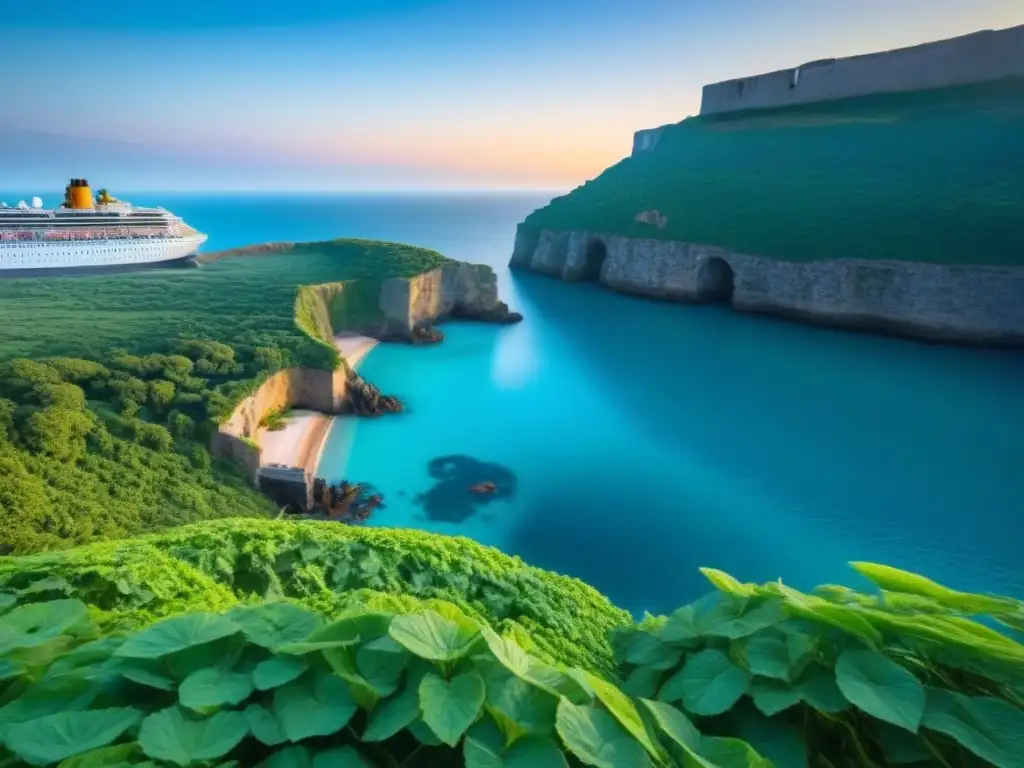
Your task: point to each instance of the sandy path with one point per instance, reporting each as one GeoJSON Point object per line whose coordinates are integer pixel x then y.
{"type": "Point", "coordinates": [304, 436]}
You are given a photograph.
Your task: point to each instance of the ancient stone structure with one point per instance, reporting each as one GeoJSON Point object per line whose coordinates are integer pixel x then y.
{"type": "Point", "coordinates": [942, 302]}
{"type": "Point", "coordinates": [974, 58]}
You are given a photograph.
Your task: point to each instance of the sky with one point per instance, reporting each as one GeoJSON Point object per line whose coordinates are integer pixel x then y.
{"type": "Point", "coordinates": [373, 95]}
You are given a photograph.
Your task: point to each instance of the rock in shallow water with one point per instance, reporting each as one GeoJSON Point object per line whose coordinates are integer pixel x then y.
{"type": "Point", "coordinates": [364, 399]}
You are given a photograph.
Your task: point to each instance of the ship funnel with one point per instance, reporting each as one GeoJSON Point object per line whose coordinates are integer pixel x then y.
{"type": "Point", "coordinates": [37, 202]}
{"type": "Point", "coordinates": [79, 195]}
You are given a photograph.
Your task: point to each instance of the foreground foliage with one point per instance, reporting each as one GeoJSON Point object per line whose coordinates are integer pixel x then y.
{"type": "Point", "coordinates": [275, 685]}
{"type": "Point", "coordinates": [839, 678]}
{"type": "Point", "coordinates": [329, 567]}
{"type": "Point", "coordinates": [802, 182]}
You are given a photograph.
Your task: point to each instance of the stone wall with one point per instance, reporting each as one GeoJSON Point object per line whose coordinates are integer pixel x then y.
{"type": "Point", "coordinates": [954, 303]}
{"type": "Point", "coordinates": [318, 390]}
{"type": "Point", "coordinates": [974, 58]}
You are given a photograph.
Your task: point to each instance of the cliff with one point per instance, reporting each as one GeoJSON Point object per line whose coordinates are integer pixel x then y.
{"type": "Point", "coordinates": [952, 303]}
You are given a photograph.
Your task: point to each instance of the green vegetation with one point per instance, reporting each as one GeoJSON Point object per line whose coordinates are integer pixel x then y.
{"type": "Point", "coordinates": [211, 566]}
{"type": "Point", "coordinates": [294, 676]}
{"type": "Point", "coordinates": [839, 678]}
{"type": "Point", "coordinates": [931, 176]}
{"type": "Point", "coordinates": [110, 387]}
{"type": "Point", "coordinates": [275, 419]}
{"type": "Point", "coordinates": [275, 685]}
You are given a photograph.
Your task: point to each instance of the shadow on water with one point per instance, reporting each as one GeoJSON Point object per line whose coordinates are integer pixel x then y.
{"type": "Point", "coordinates": [464, 486]}
{"type": "Point", "coordinates": [888, 447]}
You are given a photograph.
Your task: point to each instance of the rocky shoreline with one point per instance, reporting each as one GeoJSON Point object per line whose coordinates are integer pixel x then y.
{"type": "Point", "coordinates": [950, 303]}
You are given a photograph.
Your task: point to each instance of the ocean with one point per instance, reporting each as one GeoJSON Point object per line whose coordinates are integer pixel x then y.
{"type": "Point", "coordinates": [633, 442]}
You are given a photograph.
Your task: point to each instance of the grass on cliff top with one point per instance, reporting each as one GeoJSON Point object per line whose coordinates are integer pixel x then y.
{"type": "Point", "coordinates": [215, 565]}
{"type": "Point", "coordinates": [230, 300]}
{"type": "Point", "coordinates": [932, 176]}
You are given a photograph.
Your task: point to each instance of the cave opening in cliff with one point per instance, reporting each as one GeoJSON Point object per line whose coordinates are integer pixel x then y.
{"type": "Point", "coordinates": [715, 281]}
{"type": "Point", "coordinates": [593, 260]}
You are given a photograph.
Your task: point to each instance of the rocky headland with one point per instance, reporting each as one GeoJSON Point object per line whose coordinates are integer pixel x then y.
{"type": "Point", "coordinates": [352, 316]}
{"type": "Point", "coordinates": [876, 192]}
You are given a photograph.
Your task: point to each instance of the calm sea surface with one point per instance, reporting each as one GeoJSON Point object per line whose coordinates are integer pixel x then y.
{"type": "Point", "coordinates": [633, 442]}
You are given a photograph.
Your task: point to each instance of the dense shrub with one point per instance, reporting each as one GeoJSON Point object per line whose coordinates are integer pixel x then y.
{"type": "Point", "coordinates": [275, 685]}
{"type": "Point", "coordinates": [326, 566]}
{"type": "Point", "coordinates": [839, 678]}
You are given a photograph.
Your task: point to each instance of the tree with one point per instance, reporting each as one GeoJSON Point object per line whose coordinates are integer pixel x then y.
{"type": "Point", "coordinates": [161, 394]}
{"type": "Point", "coordinates": [58, 432]}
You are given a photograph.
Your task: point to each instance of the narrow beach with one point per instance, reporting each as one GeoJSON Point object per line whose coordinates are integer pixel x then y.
{"type": "Point", "coordinates": [305, 434]}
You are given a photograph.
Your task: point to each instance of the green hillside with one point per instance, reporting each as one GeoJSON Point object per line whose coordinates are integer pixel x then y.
{"type": "Point", "coordinates": [934, 176]}
{"type": "Point", "coordinates": [110, 387]}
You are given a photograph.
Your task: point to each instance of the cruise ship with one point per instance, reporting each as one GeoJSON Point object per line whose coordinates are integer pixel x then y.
{"type": "Point", "coordinates": [88, 232]}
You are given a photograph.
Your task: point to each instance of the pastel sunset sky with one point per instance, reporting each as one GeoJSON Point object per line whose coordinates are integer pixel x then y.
{"type": "Point", "coordinates": [396, 94]}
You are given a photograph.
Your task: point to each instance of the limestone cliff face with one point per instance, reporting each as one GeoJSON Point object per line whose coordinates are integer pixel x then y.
{"type": "Point", "coordinates": [456, 289]}
{"type": "Point", "coordinates": [237, 438]}
{"type": "Point", "coordinates": [954, 303]}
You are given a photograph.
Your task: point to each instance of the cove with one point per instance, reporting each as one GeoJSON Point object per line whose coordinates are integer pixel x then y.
{"type": "Point", "coordinates": [633, 442]}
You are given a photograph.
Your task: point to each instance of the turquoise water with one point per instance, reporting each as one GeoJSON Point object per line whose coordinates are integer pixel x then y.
{"type": "Point", "coordinates": [634, 441]}
{"type": "Point", "coordinates": [641, 441]}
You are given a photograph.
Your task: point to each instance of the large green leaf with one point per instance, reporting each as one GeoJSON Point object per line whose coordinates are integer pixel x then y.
{"type": "Point", "coordinates": [531, 670]}
{"type": "Point", "coordinates": [642, 682]}
{"type": "Point", "coordinates": [214, 687]}
{"type": "Point", "coordinates": [896, 580]}
{"type": "Point", "coordinates": [597, 739]}
{"type": "Point", "coordinates": [740, 618]}
{"type": "Point", "coordinates": [726, 583]}
{"type": "Point", "coordinates": [392, 715]}
{"type": "Point", "coordinates": [646, 650]}
{"type": "Point", "coordinates": [818, 688]}
{"type": "Point", "coordinates": [172, 736]}
{"type": "Point", "coordinates": [767, 656]}
{"type": "Point", "coordinates": [731, 753]}
{"type": "Point", "coordinates": [531, 709]}
{"type": "Point", "coordinates": [623, 709]}
{"type": "Point", "coordinates": [819, 610]}
{"type": "Point", "coordinates": [64, 693]}
{"type": "Point", "coordinates": [177, 634]}
{"type": "Point", "coordinates": [346, 631]}
{"type": "Point", "coordinates": [777, 739]}
{"type": "Point", "coordinates": [900, 747]}
{"type": "Point", "coordinates": [675, 725]}
{"type": "Point", "coordinates": [708, 684]}
{"type": "Point", "coordinates": [341, 757]}
{"type": "Point", "coordinates": [56, 737]}
{"type": "Point", "coordinates": [144, 672]}
{"type": "Point", "coordinates": [431, 636]}
{"type": "Point", "coordinates": [680, 628]}
{"type": "Point", "coordinates": [380, 663]}
{"type": "Point", "coordinates": [295, 756]}
{"type": "Point", "coordinates": [484, 748]}
{"type": "Point", "coordinates": [773, 696]}
{"type": "Point", "coordinates": [38, 623]}
{"type": "Point", "coordinates": [881, 687]}
{"type": "Point", "coordinates": [318, 704]}
{"type": "Point", "coordinates": [450, 707]}
{"type": "Point", "coordinates": [990, 728]}
{"type": "Point", "coordinates": [272, 625]}
{"type": "Point", "coordinates": [116, 756]}
{"type": "Point", "coordinates": [264, 725]}
{"type": "Point", "coordinates": [278, 670]}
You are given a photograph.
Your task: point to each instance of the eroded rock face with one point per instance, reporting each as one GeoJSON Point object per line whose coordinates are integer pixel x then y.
{"type": "Point", "coordinates": [456, 289]}
{"type": "Point", "coordinates": [973, 304]}
{"type": "Point", "coordinates": [364, 399]}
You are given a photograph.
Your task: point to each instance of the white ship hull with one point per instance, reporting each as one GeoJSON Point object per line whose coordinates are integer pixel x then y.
{"type": "Point", "coordinates": [73, 254]}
